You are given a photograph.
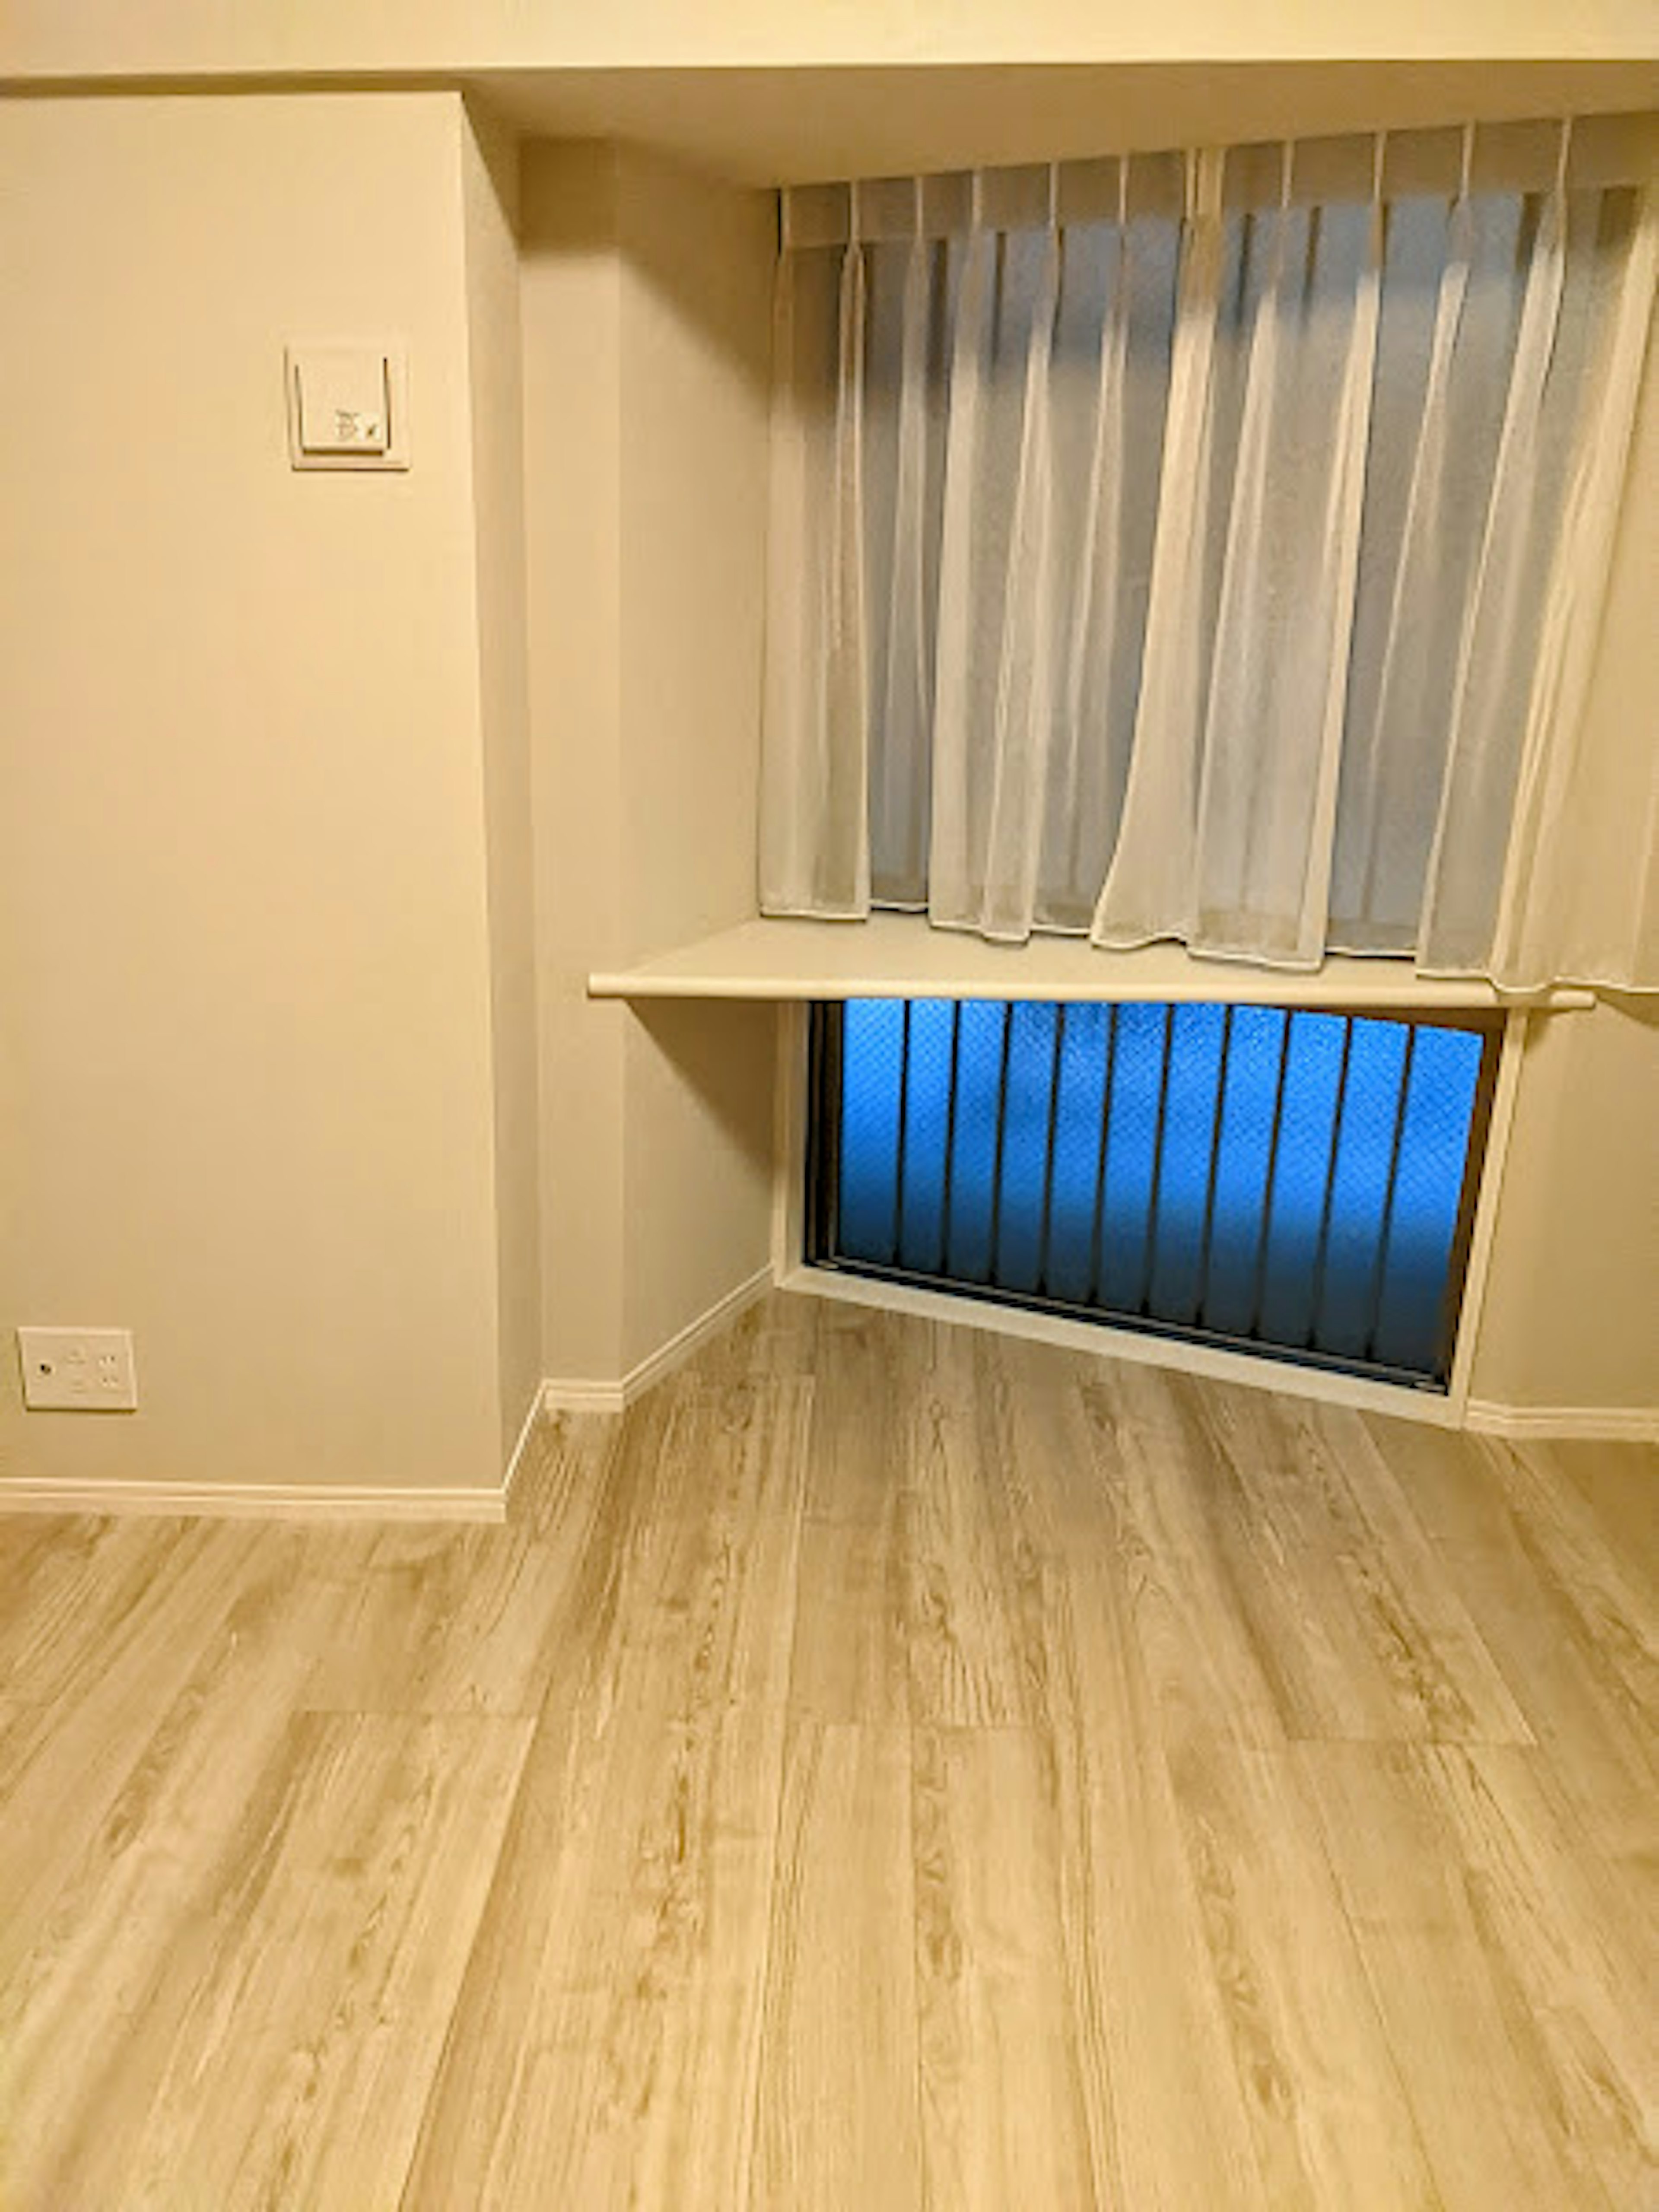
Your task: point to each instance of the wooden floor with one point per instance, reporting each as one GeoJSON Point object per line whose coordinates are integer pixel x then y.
{"type": "Point", "coordinates": [893, 1766]}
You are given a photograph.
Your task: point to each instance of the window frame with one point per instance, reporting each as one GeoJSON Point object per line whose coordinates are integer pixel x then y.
{"type": "Point", "coordinates": [809, 1078]}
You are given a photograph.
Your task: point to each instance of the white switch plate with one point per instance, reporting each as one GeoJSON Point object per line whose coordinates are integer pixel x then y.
{"type": "Point", "coordinates": [358, 418]}
{"type": "Point", "coordinates": [78, 1370]}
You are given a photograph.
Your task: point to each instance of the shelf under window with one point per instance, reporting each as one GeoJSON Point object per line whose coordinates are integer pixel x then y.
{"type": "Point", "coordinates": [896, 956]}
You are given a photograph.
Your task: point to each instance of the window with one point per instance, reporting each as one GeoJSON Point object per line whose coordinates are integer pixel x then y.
{"type": "Point", "coordinates": [1211, 547]}
{"type": "Point", "coordinates": [1297, 1184]}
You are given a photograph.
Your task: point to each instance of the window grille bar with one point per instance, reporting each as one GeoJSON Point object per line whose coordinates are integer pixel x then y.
{"type": "Point", "coordinates": [1097, 1226]}
{"type": "Point", "coordinates": [950, 1130]}
{"type": "Point", "coordinates": [1002, 1132]}
{"type": "Point", "coordinates": [1054, 1066]}
{"type": "Point", "coordinates": [1149, 1257]}
{"type": "Point", "coordinates": [1321, 1250]}
{"type": "Point", "coordinates": [1202, 1300]}
{"type": "Point", "coordinates": [1380, 1265]}
{"type": "Point", "coordinates": [1270, 1183]}
{"type": "Point", "coordinates": [904, 1131]}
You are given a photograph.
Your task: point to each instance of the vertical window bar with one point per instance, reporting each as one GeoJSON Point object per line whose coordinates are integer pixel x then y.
{"type": "Point", "coordinates": [1149, 1257]}
{"type": "Point", "coordinates": [823, 1067]}
{"type": "Point", "coordinates": [1380, 1263]}
{"type": "Point", "coordinates": [1260, 1287]}
{"type": "Point", "coordinates": [1002, 1131]}
{"type": "Point", "coordinates": [1097, 1234]}
{"type": "Point", "coordinates": [1048, 1149]}
{"type": "Point", "coordinates": [1215, 1165]}
{"type": "Point", "coordinates": [904, 1131]}
{"type": "Point", "coordinates": [1322, 1248]}
{"type": "Point", "coordinates": [950, 1135]}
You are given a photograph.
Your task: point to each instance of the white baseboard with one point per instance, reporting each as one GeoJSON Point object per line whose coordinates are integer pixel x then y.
{"type": "Point", "coordinates": [271, 1501]}
{"type": "Point", "coordinates": [580, 1395]}
{"type": "Point", "coordinates": [1637, 1425]}
{"type": "Point", "coordinates": [252, 1501]}
{"type": "Point", "coordinates": [526, 1430]}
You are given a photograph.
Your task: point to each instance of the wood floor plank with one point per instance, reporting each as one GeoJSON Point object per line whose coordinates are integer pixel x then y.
{"type": "Point", "coordinates": [283, 2051]}
{"type": "Point", "coordinates": [1476, 2069]}
{"type": "Point", "coordinates": [1564, 1646]}
{"type": "Point", "coordinates": [131, 1893]}
{"type": "Point", "coordinates": [1004, 2120]}
{"type": "Point", "coordinates": [1330, 2119]}
{"type": "Point", "coordinates": [851, 1646]}
{"type": "Point", "coordinates": [93, 1601]}
{"type": "Point", "coordinates": [1558, 1530]}
{"type": "Point", "coordinates": [1619, 1484]}
{"type": "Point", "coordinates": [62, 1763]}
{"type": "Point", "coordinates": [1189, 1564]}
{"type": "Point", "coordinates": [1370, 1639]}
{"type": "Point", "coordinates": [837, 2117]}
{"type": "Point", "coordinates": [470, 1620]}
{"type": "Point", "coordinates": [606, 2045]}
{"type": "Point", "coordinates": [963, 1667]}
{"type": "Point", "coordinates": [1581, 1967]}
{"type": "Point", "coordinates": [869, 1368]}
{"type": "Point", "coordinates": [1165, 2113]}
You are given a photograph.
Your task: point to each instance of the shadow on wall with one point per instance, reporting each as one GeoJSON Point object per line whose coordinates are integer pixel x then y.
{"type": "Point", "coordinates": [698, 1176]}
{"type": "Point", "coordinates": [722, 1053]}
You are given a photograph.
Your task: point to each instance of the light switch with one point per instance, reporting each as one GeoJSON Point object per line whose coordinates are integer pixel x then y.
{"type": "Point", "coordinates": [347, 406]}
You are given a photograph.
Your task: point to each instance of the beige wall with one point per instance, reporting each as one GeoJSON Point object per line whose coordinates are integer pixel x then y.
{"type": "Point", "coordinates": [646, 312]}
{"type": "Point", "coordinates": [489, 188]}
{"type": "Point", "coordinates": [570, 294]}
{"type": "Point", "coordinates": [243, 927]}
{"type": "Point", "coordinates": [697, 265]}
{"type": "Point", "coordinates": [1571, 1316]}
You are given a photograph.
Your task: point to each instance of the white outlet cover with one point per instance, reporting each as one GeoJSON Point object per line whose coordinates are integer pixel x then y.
{"type": "Point", "coordinates": [78, 1370]}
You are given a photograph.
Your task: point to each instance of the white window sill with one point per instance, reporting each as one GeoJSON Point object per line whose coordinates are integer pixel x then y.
{"type": "Point", "coordinates": [898, 955]}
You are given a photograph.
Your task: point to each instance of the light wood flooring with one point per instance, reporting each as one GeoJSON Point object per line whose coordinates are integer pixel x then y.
{"type": "Point", "coordinates": [892, 1767]}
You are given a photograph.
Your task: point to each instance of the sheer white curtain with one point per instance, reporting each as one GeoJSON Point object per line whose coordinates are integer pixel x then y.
{"type": "Point", "coordinates": [1212, 547]}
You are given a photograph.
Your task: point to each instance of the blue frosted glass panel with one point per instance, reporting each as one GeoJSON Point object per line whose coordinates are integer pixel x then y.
{"type": "Point", "coordinates": [1025, 1146]}
{"type": "Point", "coordinates": [1376, 1057]}
{"type": "Point", "coordinates": [1189, 1114]}
{"type": "Point", "coordinates": [979, 1059]}
{"type": "Point", "coordinates": [1254, 1059]}
{"type": "Point", "coordinates": [1248, 1162]}
{"type": "Point", "coordinates": [1296, 1203]}
{"type": "Point", "coordinates": [1077, 1152]}
{"type": "Point", "coordinates": [926, 1120]}
{"type": "Point", "coordinates": [871, 1056]}
{"type": "Point", "coordinates": [1124, 1254]}
{"type": "Point", "coordinates": [1434, 1145]}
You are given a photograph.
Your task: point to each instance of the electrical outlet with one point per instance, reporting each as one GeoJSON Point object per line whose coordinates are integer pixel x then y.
{"type": "Point", "coordinates": [78, 1370]}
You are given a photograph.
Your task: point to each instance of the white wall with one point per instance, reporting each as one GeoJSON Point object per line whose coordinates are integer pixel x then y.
{"type": "Point", "coordinates": [245, 958]}
{"type": "Point", "coordinates": [646, 316]}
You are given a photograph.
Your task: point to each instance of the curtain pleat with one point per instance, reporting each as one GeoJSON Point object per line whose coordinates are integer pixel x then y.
{"type": "Point", "coordinates": [1230, 572]}
{"type": "Point", "coordinates": [904, 738]}
{"type": "Point", "coordinates": [1147, 893]}
{"type": "Point", "coordinates": [1489, 697]}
